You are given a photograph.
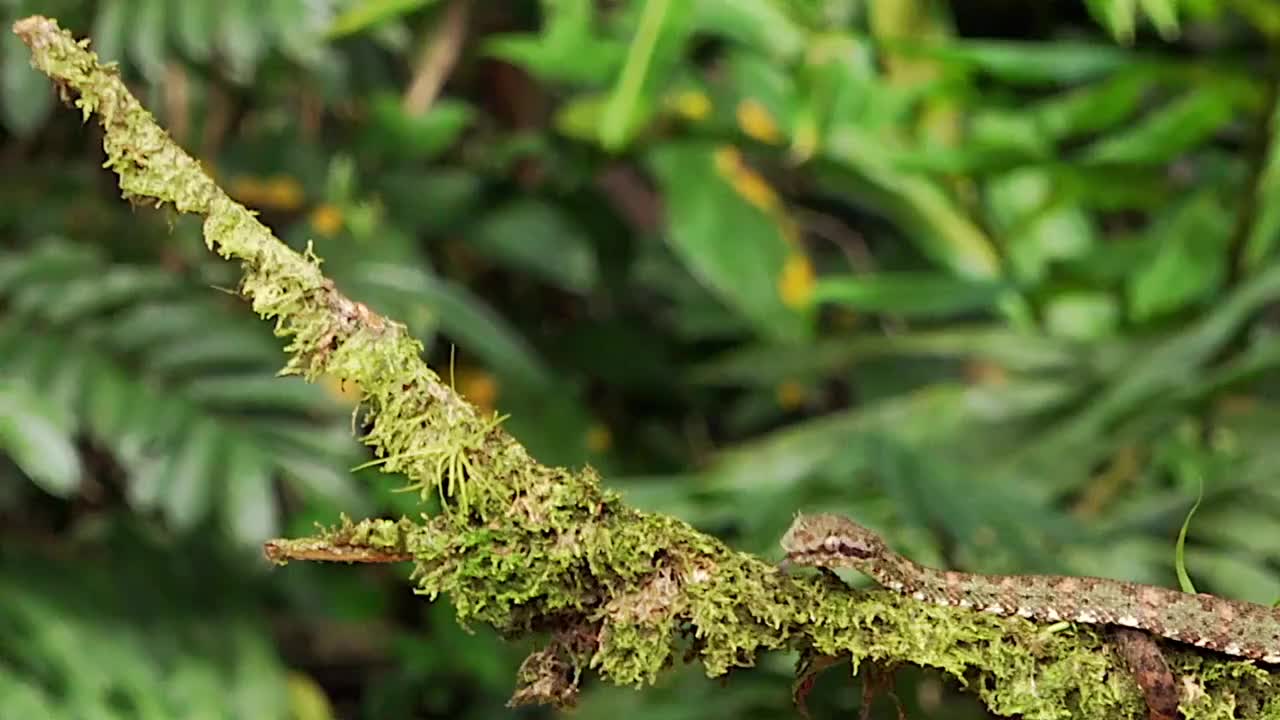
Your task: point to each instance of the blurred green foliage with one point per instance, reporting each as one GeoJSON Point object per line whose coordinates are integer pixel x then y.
{"type": "Point", "coordinates": [996, 278]}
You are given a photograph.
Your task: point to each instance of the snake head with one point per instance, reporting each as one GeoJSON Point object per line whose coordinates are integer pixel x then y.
{"type": "Point", "coordinates": [823, 537]}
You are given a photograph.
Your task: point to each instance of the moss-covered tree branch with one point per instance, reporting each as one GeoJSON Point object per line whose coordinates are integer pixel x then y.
{"type": "Point", "coordinates": [535, 549]}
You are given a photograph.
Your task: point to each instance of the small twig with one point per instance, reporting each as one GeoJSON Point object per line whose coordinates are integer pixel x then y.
{"type": "Point", "coordinates": [436, 59]}
{"type": "Point", "coordinates": [281, 552]}
{"type": "Point", "coordinates": [850, 242]}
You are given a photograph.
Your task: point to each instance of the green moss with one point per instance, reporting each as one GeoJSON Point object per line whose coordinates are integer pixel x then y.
{"type": "Point", "coordinates": [377, 534]}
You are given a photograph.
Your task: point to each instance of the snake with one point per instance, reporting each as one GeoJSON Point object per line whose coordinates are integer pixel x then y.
{"type": "Point", "coordinates": [1233, 627]}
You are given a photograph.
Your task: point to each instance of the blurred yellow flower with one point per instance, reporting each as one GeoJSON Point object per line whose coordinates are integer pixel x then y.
{"type": "Point", "coordinates": [480, 388]}
{"type": "Point", "coordinates": [278, 192]}
{"type": "Point", "coordinates": [599, 439]}
{"type": "Point", "coordinates": [282, 192]}
{"type": "Point", "coordinates": [750, 185]}
{"type": "Point", "coordinates": [757, 122]}
{"type": "Point", "coordinates": [795, 284]}
{"type": "Point", "coordinates": [326, 220]}
{"type": "Point", "coordinates": [692, 104]}
{"type": "Point", "coordinates": [756, 190]}
{"type": "Point", "coordinates": [246, 188]}
{"type": "Point", "coordinates": [728, 160]}
{"type": "Point", "coordinates": [791, 395]}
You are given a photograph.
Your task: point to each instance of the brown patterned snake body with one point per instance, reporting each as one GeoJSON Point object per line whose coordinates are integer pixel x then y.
{"type": "Point", "coordinates": [1233, 627]}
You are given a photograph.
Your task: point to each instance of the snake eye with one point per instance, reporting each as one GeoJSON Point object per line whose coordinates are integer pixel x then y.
{"type": "Point", "coordinates": [855, 549]}
{"type": "Point", "coordinates": [832, 543]}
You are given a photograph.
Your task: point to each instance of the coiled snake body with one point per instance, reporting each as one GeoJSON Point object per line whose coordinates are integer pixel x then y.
{"type": "Point", "coordinates": [1228, 626]}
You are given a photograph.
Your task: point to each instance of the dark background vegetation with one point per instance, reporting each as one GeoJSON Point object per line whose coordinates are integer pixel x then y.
{"type": "Point", "coordinates": [993, 277]}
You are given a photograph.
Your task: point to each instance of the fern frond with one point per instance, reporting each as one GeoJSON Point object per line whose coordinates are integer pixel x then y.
{"type": "Point", "coordinates": [177, 385]}
{"type": "Point", "coordinates": [137, 637]}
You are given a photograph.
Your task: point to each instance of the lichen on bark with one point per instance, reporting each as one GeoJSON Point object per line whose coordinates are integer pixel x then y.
{"type": "Point", "coordinates": [531, 549]}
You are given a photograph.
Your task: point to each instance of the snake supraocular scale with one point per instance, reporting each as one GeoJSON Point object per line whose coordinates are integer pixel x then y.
{"type": "Point", "coordinates": [1233, 627]}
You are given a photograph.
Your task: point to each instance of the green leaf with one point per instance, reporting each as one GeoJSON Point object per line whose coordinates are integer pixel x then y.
{"type": "Point", "coordinates": [147, 37]}
{"type": "Point", "coordinates": [581, 117]}
{"type": "Point", "coordinates": [934, 221]}
{"type": "Point", "coordinates": [298, 31]}
{"type": "Point", "coordinates": [1041, 228]}
{"type": "Point", "coordinates": [772, 364]}
{"type": "Point", "coordinates": [364, 14]}
{"type": "Point", "coordinates": [257, 390]}
{"type": "Point", "coordinates": [21, 698]}
{"type": "Point", "coordinates": [759, 24]}
{"type": "Point", "coordinates": [37, 360]}
{"type": "Point", "coordinates": [156, 424]}
{"type": "Point", "coordinates": [192, 25]}
{"type": "Point", "coordinates": [466, 319]}
{"type": "Point", "coordinates": [922, 418]}
{"type": "Point", "coordinates": [835, 84]}
{"type": "Point", "coordinates": [908, 294]}
{"type": "Point", "coordinates": [218, 348]}
{"type": "Point", "coordinates": [434, 202]}
{"type": "Point", "coordinates": [333, 443]}
{"type": "Point", "coordinates": [538, 238]}
{"type": "Point", "coordinates": [250, 508]}
{"type": "Point", "coordinates": [1082, 315]}
{"type": "Point", "coordinates": [1031, 63]}
{"type": "Point", "coordinates": [417, 136]}
{"type": "Point", "coordinates": [1265, 230]}
{"type": "Point", "coordinates": [50, 261]}
{"type": "Point", "coordinates": [322, 480]}
{"type": "Point", "coordinates": [1191, 259]}
{"type": "Point", "coordinates": [1164, 368]}
{"type": "Point", "coordinates": [1166, 133]}
{"type": "Point", "coordinates": [36, 435]}
{"type": "Point", "coordinates": [145, 324]}
{"type": "Point", "coordinates": [1112, 188]}
{"type": "Point", "coordinates": [241, 38]}
{"type": "Point", "coordinates": [1120, 17]}
{"type": "Point", "coordinates": [568, 49]}
{"type": "Point", "coordinates": [65, 386]}
{"type": "Point", "coordinates": [659, 39]}
{"type": "Point", "coordinates": [1011, 135]}
{"type": "Point", "coordinates": [189, 494]}
{"type": "Point", "coordinates": [1094, 107]}
{"type": "Point", "coordinates": [1117, 16]}
{"type": "Point", "coordinates": [1164, 15]}
{"type": "Point", "coordinates": [704, 210]}
{"type": "Point", "coordinates": [1179, 560]}
{"type": "Point", "coordinates": [106, 401]}
{"type": "Point", "coordinates": [754, 83]}
{"type": "Point", "coordinates": [97, 646]}
{"type": "Point", "coordinates": [257, 683]}
{"type": "Point", "coordinates": [109, 288]}
{"type": "Point", "coordinates": [1262, 15]}
{"type": "Point", "coordinates": [110, 29]}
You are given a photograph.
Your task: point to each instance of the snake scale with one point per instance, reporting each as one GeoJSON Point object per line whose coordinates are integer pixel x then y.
{"type": "Point", "coordinates": [1233, 627]}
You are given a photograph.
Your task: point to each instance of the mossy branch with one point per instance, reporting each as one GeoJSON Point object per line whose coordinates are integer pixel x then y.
{"type": "Point", "coordinates": [534, 549]}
